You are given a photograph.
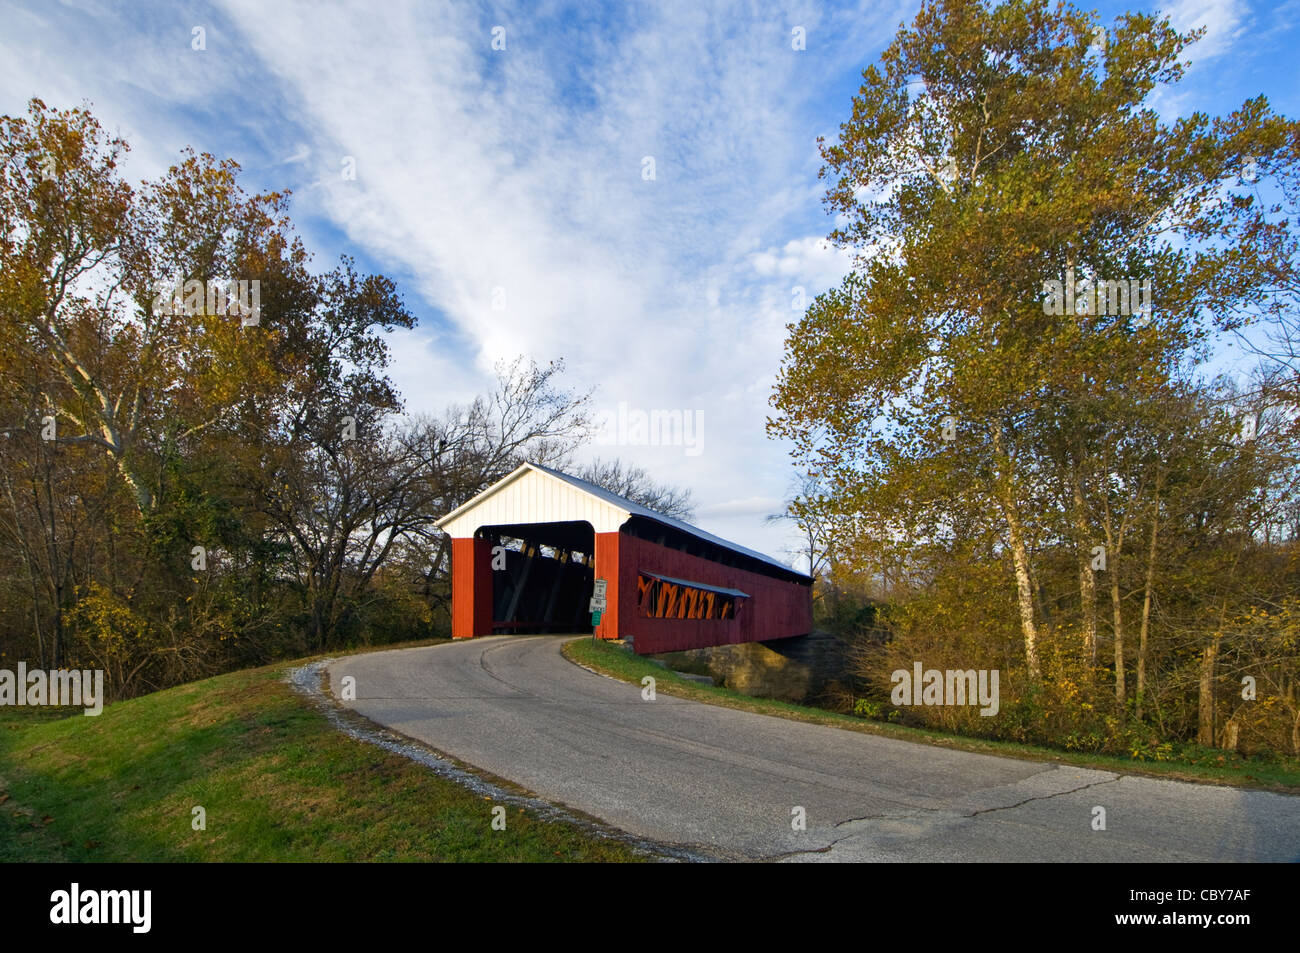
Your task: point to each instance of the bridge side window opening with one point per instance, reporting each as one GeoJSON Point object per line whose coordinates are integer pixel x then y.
{"type": "Point", "coordinates": [663, 597]}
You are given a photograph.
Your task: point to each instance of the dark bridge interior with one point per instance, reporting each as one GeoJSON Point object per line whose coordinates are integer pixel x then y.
{"type": "Point", "coordinates": [547, 578]}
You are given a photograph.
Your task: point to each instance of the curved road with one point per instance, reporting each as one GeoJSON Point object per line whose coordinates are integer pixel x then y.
{"type": "Point", "coordinates": [726, 782]}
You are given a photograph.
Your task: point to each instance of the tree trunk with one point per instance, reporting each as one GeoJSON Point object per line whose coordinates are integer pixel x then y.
{"type": "Point", "coordinates": [1121, 692]}
{"type": "Point", "coordinates": [57, 649]}
{"type": "Point", "coordinates": [1114, 545]}
{"type": "Point", "coordinates": [1146, 600]}
{"type": "Point", "coordinates": [1205, 705]}
{"type": "Point", "coordinates": [1024, 595]}
{"type": "Point", "coordinates": [1019, 559]}
{"type": "Point", "coordinates": [1087, 575]}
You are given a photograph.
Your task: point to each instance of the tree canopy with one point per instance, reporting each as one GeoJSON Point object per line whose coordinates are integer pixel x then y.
{"type": "Point", "coordinates": [1001, 406]}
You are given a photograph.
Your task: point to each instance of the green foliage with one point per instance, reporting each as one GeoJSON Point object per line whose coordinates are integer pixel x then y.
{"type": "Point", "coordinates": [970, 443]}
{"type": "Point", "coordinates": [876, 710]}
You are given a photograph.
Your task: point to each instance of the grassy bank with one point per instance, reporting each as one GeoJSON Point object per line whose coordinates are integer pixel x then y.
{"type": "Point", "coordinates": [276, 780]}
{"type": "Point", "coordinates": [617, 661]}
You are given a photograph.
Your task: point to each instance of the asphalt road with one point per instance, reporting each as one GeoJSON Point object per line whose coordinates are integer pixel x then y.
{"type": "Point", "coordinates": [728, 783]}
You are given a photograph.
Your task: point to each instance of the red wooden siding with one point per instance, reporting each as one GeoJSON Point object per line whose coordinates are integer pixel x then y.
{"type": "Point", "coordinates": [609, 547]}
{"type": "Point", "coordinates": [775, 608]}
{"type": "Point", "coordinates": [471, 588]}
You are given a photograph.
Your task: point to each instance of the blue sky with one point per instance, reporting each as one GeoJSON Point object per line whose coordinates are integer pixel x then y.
{"type": "Point", "coordinates": [519, 172]}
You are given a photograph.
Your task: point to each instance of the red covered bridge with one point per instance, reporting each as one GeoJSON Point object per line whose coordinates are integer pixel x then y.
{"type": "Point", "coordinates": [527, 551]}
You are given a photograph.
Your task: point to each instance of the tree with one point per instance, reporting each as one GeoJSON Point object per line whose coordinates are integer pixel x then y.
{"type": "Point", "coordinates": [175, 333]}
{"type": "Point", "coordinates": [635, 484]}
{"type": "Point", "coordinates": [996, 155]}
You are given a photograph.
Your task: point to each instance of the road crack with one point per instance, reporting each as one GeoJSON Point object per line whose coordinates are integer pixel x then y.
{"type": "Point", "coordinates": [1043, 797]}
{"type": "Point", "coordinates": [932, 811]}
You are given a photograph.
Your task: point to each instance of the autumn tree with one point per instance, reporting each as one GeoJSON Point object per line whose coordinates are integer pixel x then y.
{"type": "Point", "coordinates": [175, 333]}
{"type": "Point", "coordinates": [996, 156]}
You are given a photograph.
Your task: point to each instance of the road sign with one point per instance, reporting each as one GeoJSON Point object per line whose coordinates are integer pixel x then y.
{"type": "Point", "coordinates": [595, 618]}
{"type": "Point", "coordinates": [598, 596]}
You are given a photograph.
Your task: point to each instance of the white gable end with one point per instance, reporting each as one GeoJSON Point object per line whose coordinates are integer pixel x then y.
{"type": "Point", "coordinates": [530, 495]}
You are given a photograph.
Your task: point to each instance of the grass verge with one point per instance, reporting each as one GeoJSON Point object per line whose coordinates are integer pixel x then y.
{"type": "Point", "coordinates": [619, 662]}
{"type": "Point", "coordinates": [276, 780]}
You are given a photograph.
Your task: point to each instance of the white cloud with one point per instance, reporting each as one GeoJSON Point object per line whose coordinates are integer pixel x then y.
{"type": "Point", "coordinates": [814, 261]}
{"type": "Point", "coordinates": [1224, 22]}
{"type": "Point", "coordinates": [498, 180]}
{"type": "Point", "coordinates": [505, 188]}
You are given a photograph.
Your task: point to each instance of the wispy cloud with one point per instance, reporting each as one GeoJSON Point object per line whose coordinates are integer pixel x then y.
{"type": "Point", "coordinates": [1224, 21]}
{"type": "Point", "coordinates": [598, 194]}
{"type": "Point", "coordinates": [508, 190]}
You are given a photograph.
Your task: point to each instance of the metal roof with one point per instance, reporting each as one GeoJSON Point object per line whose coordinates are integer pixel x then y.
{"type": "Point", "coordinates": [627, 508]}
{"type": "Point", "coordinates": [696, 585]}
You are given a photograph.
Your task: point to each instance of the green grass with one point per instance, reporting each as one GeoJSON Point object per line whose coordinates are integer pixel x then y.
{"type": "Point", "coordinates": [278, 782]}
{"type": "Point", "coordinates": [619, 662]}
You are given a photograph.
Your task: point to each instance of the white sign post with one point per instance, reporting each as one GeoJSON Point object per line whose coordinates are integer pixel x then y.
{"type": "Point", "coordinates": [597, 602]}
{"type": "Point", "coordinates": [598, 596]}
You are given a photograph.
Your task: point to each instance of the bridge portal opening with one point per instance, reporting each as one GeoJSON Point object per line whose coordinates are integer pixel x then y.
{"type": "Point", "coordinates": [542, 576]}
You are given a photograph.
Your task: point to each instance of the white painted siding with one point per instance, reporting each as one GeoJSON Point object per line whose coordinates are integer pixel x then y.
{"type": "Point", "coordinates": [531, 496]}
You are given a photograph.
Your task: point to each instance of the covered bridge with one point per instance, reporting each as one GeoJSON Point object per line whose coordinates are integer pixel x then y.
{"type": "Point", "coordinates": [527, 553]}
